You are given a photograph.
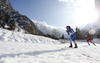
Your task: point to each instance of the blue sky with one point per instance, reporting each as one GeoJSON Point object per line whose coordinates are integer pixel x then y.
{"type": "Point", "coordinates": [56, 13]}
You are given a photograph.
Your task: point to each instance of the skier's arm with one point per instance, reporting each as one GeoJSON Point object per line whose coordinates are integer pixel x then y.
{"type": "Point", "coordinates": [67, 32]}
{"type": "Point", "coordinates": [72, 31]}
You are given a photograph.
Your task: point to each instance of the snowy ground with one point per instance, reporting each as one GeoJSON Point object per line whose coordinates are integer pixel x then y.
{"type": "Point", "coordinates": [20, 48]}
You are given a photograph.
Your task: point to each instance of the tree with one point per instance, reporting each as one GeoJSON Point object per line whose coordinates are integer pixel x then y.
{"type": "Point", "coordinates": [62, 36]}
{"type": "Point", "coordinates": [78, 33]}
{"type": "Point", "coordinates": [98, 34]}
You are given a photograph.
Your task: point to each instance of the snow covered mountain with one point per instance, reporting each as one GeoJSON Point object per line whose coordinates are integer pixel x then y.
{"type": "Point", "coordinates": [17, 47]}
{"type": "Point", "coordinates": [51, 30]}
{"type": "Point", "coordinates": [14, 20]}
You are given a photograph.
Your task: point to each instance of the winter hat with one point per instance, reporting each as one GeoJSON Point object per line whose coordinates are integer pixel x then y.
{"type": "Point", "coordinates": [68, 27]}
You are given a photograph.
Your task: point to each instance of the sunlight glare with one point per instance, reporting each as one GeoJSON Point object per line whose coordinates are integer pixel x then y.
{"type": "Point", "coordinates": [85, 11]}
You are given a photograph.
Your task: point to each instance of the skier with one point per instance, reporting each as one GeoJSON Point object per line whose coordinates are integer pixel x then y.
{"type": "Point", "coordinates": [88, 39]}
{"type": "Point", "coordinates": [72, 34]}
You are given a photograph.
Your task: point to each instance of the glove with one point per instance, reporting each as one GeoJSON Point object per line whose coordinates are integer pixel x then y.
{"type": "Point", "coordinates": [67, 32]}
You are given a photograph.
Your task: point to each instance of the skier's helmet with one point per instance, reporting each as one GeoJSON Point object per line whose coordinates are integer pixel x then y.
{"type": "Point", "coordinates": [68, 27]}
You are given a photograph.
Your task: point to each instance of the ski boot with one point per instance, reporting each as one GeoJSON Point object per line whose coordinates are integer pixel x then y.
{"type": "Point", "coordinates": [70, 45]}
{"type": "Point", "coordinates": [76, 46]}
{"type": "Point", "coordinates": [88, 43]}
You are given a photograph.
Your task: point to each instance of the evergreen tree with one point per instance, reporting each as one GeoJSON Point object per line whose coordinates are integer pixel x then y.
{"type": "Point", "coordinates": [98, 34]}
{"type": "Point", "coordinates": [78, 33]}
{"type": "Point", "coordinates": [62, 36]}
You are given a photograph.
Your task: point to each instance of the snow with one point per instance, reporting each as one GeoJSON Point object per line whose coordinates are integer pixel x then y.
{"type": "Point", "coordinates": [10, 36]}
{"type": "Point", "coordinates": [17, 47]}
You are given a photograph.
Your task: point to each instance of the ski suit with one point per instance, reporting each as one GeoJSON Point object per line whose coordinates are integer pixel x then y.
{"type": "Point", "coordinates": [72, 35]}
{"type": "Point", "coordinates": [88, 39]}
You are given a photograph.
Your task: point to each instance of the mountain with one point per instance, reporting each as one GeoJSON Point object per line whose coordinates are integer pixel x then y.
{"type": "Point", "coordinates": [54, 32]}
{"type": "Point", "coordinates": [13, 20]}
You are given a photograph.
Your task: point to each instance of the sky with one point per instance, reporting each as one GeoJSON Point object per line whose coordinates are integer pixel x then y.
{"type": "Point", "coordinates": [58, 13]}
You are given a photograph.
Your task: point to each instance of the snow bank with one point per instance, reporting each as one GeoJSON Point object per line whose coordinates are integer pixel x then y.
{"type": "Point", "coordinates": [10, 36]}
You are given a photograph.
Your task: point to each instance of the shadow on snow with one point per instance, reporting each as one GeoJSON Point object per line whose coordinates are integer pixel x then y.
{"type": "Point", "coordinates": [34, 53]}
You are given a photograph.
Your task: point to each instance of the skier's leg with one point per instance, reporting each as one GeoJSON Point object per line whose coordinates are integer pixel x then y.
{"type": "Point", "coordinates": [75, 43]}
{"type": "Point", "coordinates": [70, 42]}
{"type": "Point", "coordinates": [73, 38]}
{"type": "Point", "coordinates": [88, 43]}
{"type": "Point", "coordinates": [92, 42]}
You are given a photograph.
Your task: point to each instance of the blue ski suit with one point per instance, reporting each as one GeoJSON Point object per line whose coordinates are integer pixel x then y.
{"type": "Point", "coordinates": [72, 35]}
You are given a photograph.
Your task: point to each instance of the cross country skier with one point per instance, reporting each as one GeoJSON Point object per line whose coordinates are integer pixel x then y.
{"type": "Point", "coordinates": [89, 40]}
{"type": "Point", "coordinates": [72, 34]}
